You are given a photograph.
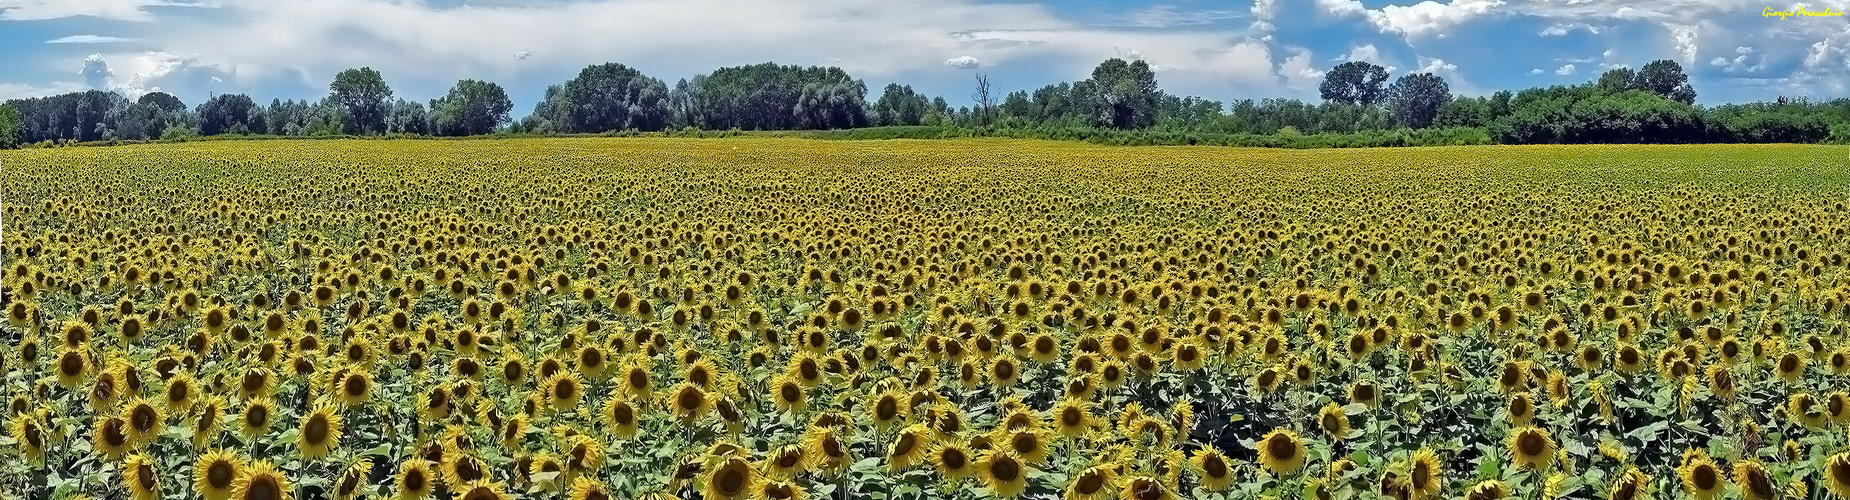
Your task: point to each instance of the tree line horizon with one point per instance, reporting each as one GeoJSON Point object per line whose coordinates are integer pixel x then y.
{"type": "Point", "coordinates": [1653, 104]}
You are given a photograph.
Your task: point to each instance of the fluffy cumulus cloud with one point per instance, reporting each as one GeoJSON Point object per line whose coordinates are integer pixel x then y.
{"type": "Point", "coordinates": [1565, 70]}
{"type": "Point", "coordinates": [962, 62]}
{"type": "Point", "coordinates": [96, 72]}
{"type": "Point", "coordinates": [134, 74]}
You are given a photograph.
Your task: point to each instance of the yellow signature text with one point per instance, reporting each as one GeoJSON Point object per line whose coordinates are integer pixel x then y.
{"type": "Point", "coordinates": [1800, 12]}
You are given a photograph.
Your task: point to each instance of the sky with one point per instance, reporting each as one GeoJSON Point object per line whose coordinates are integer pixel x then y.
{"type": "Point", "coordinates": [1222, 50]}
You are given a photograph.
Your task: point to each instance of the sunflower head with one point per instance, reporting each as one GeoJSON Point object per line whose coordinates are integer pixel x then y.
{"type": "Point", "coordinates": [1005, 475]}
{"type": "Point", "coordinates": [320, 433]}
{"type": "Point", "coordinates": [733, 479]}
{"type": "Point", "coordinates": [1281, 452]}
{"type": "Point", "coordinates": [1532, 447]}
{"type": "Point", "coordinates": [262, 481]}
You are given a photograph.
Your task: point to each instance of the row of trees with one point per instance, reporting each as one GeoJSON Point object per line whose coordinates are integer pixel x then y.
{"type": "Point", "coordinates": [1652, 104]}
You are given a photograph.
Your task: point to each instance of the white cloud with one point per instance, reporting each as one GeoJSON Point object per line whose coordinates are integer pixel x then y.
{"type": "Point", "coordinates": [1368, 53]}
{"type": "Point", "coordinates": [1535, 71]}
{"type": "Point", "coordinates": [147, 71]}
{"type": "Point", "coordinates": [962, 62]}
{"type": "Point", "coordinates": [96, 72]}
{"type": "Point", "coordinates": [119, 10]}
{"type": "Point", "coordinates": [1565, 70]}
{"type": "Point", "coordinates": [1297, 70]}
{"type": "Point", "coordinates": [10, 91]}
{"type": "Point", "coordinates": [89, 39]}
{"type": "Point", "coordinates": [1339, 8]}
{"type": "Point", "coordinates": [522, 55]}
{"type": "Point", "coordinates": [1562, 29]}
{"type": "Point", "coordinates": [419, 41]}
{"type": "Point", "coordinates": [1429, 17]}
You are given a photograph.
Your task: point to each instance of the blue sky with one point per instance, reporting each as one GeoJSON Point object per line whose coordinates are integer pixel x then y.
{"type": "Point", "coordinates": [1222, 50]}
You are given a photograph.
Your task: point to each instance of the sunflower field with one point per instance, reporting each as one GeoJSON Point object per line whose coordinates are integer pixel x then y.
{"type": "Point", "coordinates": [893, 320]}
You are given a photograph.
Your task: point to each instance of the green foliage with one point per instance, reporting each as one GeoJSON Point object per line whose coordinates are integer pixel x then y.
{"type": "Point", "coordinates": [602, 98]}
{"type": "Point", "coordinates": [11, 127]}
{"type": "Point", "coordinates": [1354, 82]}
{"type": "Point", "coordinates": [1414, 100]}
{"type": "Point", "coordinates": [473, 107]}
{"type": "Point", "coordinates": [230, 113]}
{"type": "Point", "coordinates": [364, 94]}
{"type": "Point", "coordinates": [773, 97]}
{"type": "Point", "coordinates": [1126, 94]}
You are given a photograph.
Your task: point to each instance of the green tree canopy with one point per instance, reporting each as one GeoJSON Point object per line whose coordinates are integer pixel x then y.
{"type": "Point", "coordinates": [366, 97]}
{"type": "Point", "coordinates": [473, 107]}
{"type": "Point", "coordinates": [1415, 100]}
{"type": "Point", "coordinates": [1354, 82]}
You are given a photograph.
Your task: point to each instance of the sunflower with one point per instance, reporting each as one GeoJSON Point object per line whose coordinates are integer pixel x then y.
{"type": "Point", "coordinates": [435, 404]}
{"type": "Point", "coordinates": [1755, 481]}
{"type": "Point", "coordinates": [583, 453]}
{"type": "Point", "coordinates": [111, 438]}
{"type": "Point", "coordinates": [1004, 475]}
{"type": "Point", "coordinates": [786, 461]}
{"type": "Point", "coordinates": [1094, 483]}
{"type": "Point", "coordinates": [788, 394]}
{"type": "Point", "coordinates": [564, 390]}
{"type": "Point", "coordinates": [1281, 452]}
{"type": "Point", "coordinates": [320, 433]}
{"type": "Point", "coordinates": [622, 418]}
{"type": "Point", "coordinates": [689, 402]}
{"type": "Point", "coordinates": [585, 488]}
{"type": "Point", "coordinates": [829, 452]}
{"type": "Point", "coordinates": [1520, 409]}
{"type": "Point", "coordinates": [353, 479]}
{"type": "Point", "coordinates": [1805, 409]}
{"type": "Point", "coordinates": [1837, 474]}
{"type": "Point", "coordinates": [1072, 418]}
{"type": "Point", "coordinates": [1837, 407]}
{"type": "Point", "coordinates": [1029, 444]}
{"type": "Point", "coordinates": [461, 468]}
{"type": "Point", "coordinates": [140, 474]}
{"type": "Point", "coordinates": [481, 489]}
{"type": "Point", "coordinates": [1365, 392]}
{"type": "Point", "coordinates": [1146, 488]}
{"type": "Point", "coordinates": [1212, 468]}
{"type": "Point", "coordinates": [887, 411]}
{"type": "Point", "coordinates": [1631, 484]}
{"type": "Point", "coordinates": [216, 473]}
{"type": "Point", "coordinates": [1489, 489]}
{"type": "Point", "coordinates": [145, 422]}
{"type": "Point", "coordinates": [73, 366]}
{"type": "Point", "coordinates": [1423, 474]}
{"type": "Point", "coordinates": [256, 417]}
{"type": "Point", "coordinates": [262, 481]}
{"type": "Point", "coordinates": [779, 490]}
{"type": "Point", "coordinates": [1532, 447]}
{"type": "Point", "coordinates": [1333, 421]}
{"type": "Point", "coordinates": [732, 480]}
{"type": "Point", "coordinates": [909, 447]}
{"type": "Point", "coordinates": [952, 460]}
{"type": "Point", "coordinates": [1791, 366]}
{"type": "Point", "coordinates": [1004, 372]}
{"type": "Point", "coordinates": [414, 480]}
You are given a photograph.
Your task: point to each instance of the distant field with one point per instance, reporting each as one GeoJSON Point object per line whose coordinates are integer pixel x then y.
{"type": "Point", "coordinates": [787, 318]}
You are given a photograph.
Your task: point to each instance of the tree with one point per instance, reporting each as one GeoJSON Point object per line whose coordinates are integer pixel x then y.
{"type": "Point", "coordinates": [472, 107]}
{"type": "Point", "coordinates": [365, 96]}
{"type": "Point", "coordinates": [1414, 100]}
{"type": "Point", "coordinates": [12, 126]}
{"type": "Point", "coordinates": [900, 105]}
{"type": "Point", "coordinates": [1665, 77]}
{"type": "Point", "coordinates": [772, 97]}
{"type": "Point", "coordinates": [228, 114]}
{"type": "Point", "coordinates": [1124, 93]}
{"type": "Point", "coordinates": [163, 101]}
{"type": "Point", "coordinates": [408, 117]}
{"type": "Point", "coordinates": [981, 97]}
{"type": "Point", "coordinates": [603, 98]}
{"type": "Point", "coordinates": [1617, 80]}
{"type": "Point", "coordinates": [1354, 82]}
